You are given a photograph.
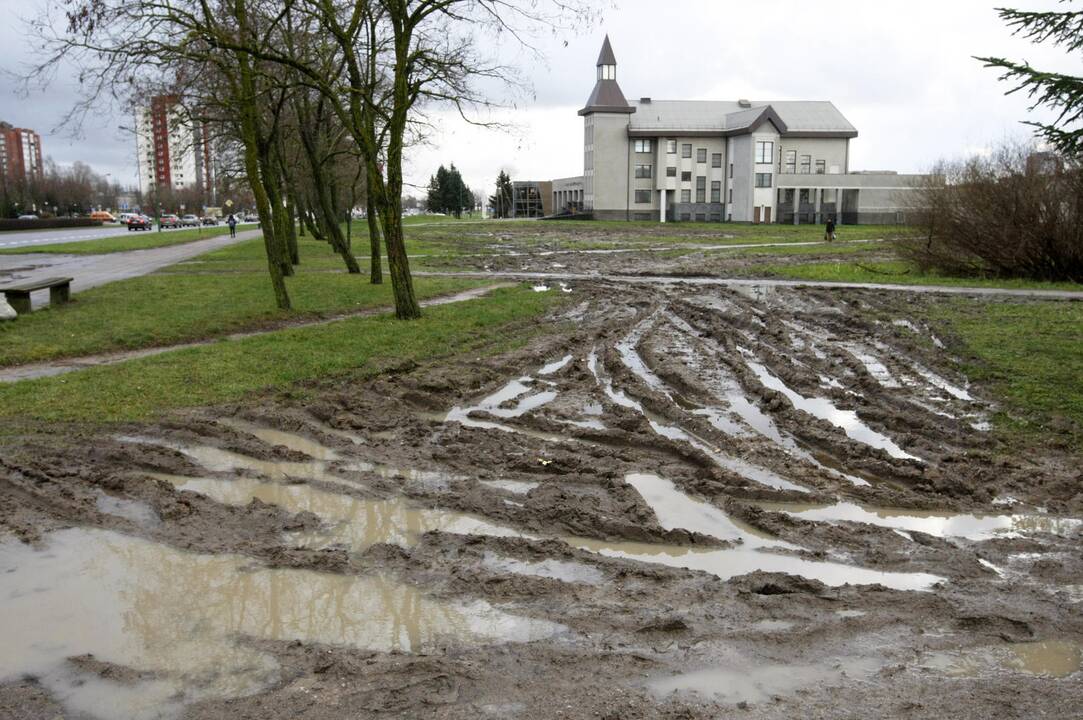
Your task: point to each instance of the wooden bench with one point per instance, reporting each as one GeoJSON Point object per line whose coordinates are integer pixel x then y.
{"type": "Point", "coordinates": [18, 296]}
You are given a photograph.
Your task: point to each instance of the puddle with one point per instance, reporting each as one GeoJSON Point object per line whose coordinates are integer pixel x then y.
{"type": "Point", "coordinates": [297, 443]}
{"type": "Point", "coordinates": [1051, 658]}
{"type": "Point", "coordinates": [355, 522]}
{"type": "Point", "coordinates": [180, 618]}
{"type": "Point", "coordinates": [846, 420]}
{"type": "Point", "coordinates": [847, 614]}
{"type": "Point", "coordinates": [555, 366]}
{"type": "Point", "coordinates": [519, 487]}
{"type": "Point", "coordinates": [495, 405]}
{"type": "Point", "coordinates": [138, 512]}
{"type": "Point", "coordinates": [932, 522]}
{"type": "Point", "coordinates": [566, 571]}
{"type": "Point", "coordinates": [676, 510]}
{"type": "Point", "coordinates": [771, 626]}
{"type": "Point", "coordinates": [757, 684]}
{"type": "Point", "coordinates": [935, 380]}
{"type": "Point", "coordinates": [873, 366]}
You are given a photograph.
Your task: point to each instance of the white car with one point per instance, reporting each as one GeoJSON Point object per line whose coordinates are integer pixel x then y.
{"type": "Point", "coordinates": [28, 217]}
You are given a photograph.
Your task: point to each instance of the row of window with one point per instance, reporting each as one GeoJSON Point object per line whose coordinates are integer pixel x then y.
{"type": "Point", "coordinates": [790, 166]}
{"type": "Point", "coordinates": [646, 145]}
{"type": "Point", "coordinates": [643, 197]}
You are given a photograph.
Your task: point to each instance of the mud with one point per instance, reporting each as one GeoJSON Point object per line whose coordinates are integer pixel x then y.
{"type": "Point", "coordinates": [674, 502]}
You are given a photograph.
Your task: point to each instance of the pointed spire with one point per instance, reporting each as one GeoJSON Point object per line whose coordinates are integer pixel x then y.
{"type": "Point", "coordinates": [606, 56]}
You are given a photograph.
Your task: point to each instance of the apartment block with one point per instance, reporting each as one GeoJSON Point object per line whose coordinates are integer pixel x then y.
{"type": "Point", "coordinates": [716, 161]}
{"type": "Point", "coordinates": [20, 154]}
{"type": "Point", "coordinates": [173, 151]}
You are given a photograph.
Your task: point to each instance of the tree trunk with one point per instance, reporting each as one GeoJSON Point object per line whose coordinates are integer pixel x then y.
{"type": "Point", "coordinates": [376, 270]}
{"type": "Point", "coordinates": [291, 231]}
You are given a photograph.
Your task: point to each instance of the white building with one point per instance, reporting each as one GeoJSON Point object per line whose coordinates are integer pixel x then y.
{"type": "Point", "coordinates": [173, 153]}
{"type": "Point", "coordinates": [708, 161]}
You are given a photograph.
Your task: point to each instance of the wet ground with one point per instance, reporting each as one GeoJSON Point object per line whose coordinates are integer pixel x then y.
{"type": "Point", "coordinates": [680, 501]}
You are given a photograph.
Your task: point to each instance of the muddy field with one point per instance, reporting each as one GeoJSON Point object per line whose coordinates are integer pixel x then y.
{"type": "Point", "coordinates": [680, 502]}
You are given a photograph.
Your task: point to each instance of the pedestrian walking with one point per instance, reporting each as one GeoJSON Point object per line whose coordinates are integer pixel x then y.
{"type": "Point", "coordinates": [232, 222]}
{"type": "Point", "coordinates": [829, 231]}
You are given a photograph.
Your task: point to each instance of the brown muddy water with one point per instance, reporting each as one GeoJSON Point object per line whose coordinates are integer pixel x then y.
{"type": "Point", "coordinates": [685, 499]}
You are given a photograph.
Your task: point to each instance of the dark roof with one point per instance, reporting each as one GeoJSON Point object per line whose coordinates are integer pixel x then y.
{"type": "Point", "coordinates": [606, 56]}
{"type": "Point", "coordinates": [607, 97]}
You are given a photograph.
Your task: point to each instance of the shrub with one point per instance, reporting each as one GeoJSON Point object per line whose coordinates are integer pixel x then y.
{"type": "Point", "coordinates": [1013, 213]}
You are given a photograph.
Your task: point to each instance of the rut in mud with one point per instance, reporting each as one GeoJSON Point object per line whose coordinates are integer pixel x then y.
{"type": "Point", "coordinates": [686, 500]}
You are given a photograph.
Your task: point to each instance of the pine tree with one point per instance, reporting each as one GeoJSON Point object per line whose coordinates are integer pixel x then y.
{"type": "Point", "coordinates": [501, 201]}
{"type": "Point", "coordinates": [1059, 92]}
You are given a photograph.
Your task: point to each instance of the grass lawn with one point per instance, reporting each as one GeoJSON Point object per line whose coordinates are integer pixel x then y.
{"type": "Point", "coordinates": [900, 273]}
{"type": "Point", "coordinates": [168, 308]}
{"type": "Point", "coordinates": [132, 240]}
{"type": "Point", "coordinates": [1032, 353]}
{"type": "Point", "coordinates": [226, 371]}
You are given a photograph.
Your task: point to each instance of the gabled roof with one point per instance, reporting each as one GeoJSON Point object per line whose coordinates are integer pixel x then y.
{"type": "Point", "coordinates": [793, 118]}
{"type": "Point", "coordinates": [606, 56]}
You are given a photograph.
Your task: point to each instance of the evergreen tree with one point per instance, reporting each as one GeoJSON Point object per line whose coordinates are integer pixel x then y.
{"type": "Point", "coordinates": [501, 201]}
{"type": "Point", "coordinates": [1059, 92]}
{"type": "Point", "coordinates": [448, 193]}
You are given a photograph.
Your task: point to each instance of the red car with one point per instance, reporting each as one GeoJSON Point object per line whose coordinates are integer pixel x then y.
{"type": "Point", "coordinates": [139, 222]}
{"type": "Point", "coordinates": [169, 221]}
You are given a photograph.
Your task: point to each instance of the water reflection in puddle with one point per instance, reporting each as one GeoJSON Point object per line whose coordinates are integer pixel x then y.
{"type": "Point", "coordinates": [846, 420]}
{"type": "Point", "coordinates": [180, 618]}
{"type": "Point", "coordinates": [519, 487]}
{"type": "Point", "coordinates": [355, 522]}
{"type": "Point", "coordinates": [676, 510]}
{"type": "Point", "coordinates": [564, 570]}
{"type": "Point", "coordinates": [756, 684]}
{"type": "Point", "coordinates": [137, 512]}
{"type": "Point", "coordinates": [1053, 658]}
{"type": "Point", "coordinates": [941, 524]}
{"type": "Point", "coordinates": [292, 441]}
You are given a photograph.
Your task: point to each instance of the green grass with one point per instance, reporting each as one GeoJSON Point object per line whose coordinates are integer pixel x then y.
{"type": "Point", "coordinates": [132, 240]}
{"type": "Point", "coordinates": [900, 273]}
{"type": "Point", "coordinates": [1031, 353]}
{"type": "Point", "coordinates": [170, 308]}
{"type": "Point", "coordinates": [228, 371]}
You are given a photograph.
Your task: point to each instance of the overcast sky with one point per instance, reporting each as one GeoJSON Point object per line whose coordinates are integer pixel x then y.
{"type": "Point", "coordinates": [900, 71]}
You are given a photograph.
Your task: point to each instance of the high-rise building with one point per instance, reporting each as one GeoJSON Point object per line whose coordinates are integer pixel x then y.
{"type": "Point", "coordinates": [173, 151]}
{"type": "Point", "coordinates": [20, 154]}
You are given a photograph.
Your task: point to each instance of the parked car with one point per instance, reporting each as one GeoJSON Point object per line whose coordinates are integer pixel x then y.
{"type": "Point", "coordinates": [209, 220]}
{"type": "Point", "coordinates": [189, 221]}
{"type": "Point", "coordinates": [139, 222]}
{"type": "Point", "coordinates": [103, 216]}
{"type": "Point", "coordinates": [250, 217]}
{"type": "Point", "coordinates": [28, 217]}
{"type": "Point", "coordinates": [169, 221]}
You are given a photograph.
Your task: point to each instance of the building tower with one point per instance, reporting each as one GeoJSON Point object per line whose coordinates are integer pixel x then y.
{"type": "Point", "coordinates": [605, 143]}
{"type": "Point", "coordinates": [173, 151]}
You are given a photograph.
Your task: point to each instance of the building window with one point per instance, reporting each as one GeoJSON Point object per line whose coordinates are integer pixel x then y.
{"type": "Point", "coordinates": [763, 180]}
{"type": "Point", "coordinates": [701, 155]}
{"type": "Point", "coordinates": [791, 162]}
{"type": "Point", "coordinates": [607, 72]}
{"type": "Point", "coordinates": [686, 196]}
{"type": "Point", "coordinates": [716, 217]}
{"type": "Point", "coordinates": [671, 171]}
{"type": "Point", "coordinates": [821, 167]}
{"type": "Point", "coordinates": [701, 189]}
{"type": "Point", "coordinates": [642, 146]}
{"type": "Point", "coordinates": [731, 196]}
{"type": "Point", "coordinates": [686, 150]}
{"type": "Point", "coordinates": [765, 152]}
{"type": "Point", "coordinates": [671, 147]}
{"type": "Point", "coordinates": [806, 164]}
{"type": "Point", "coordinates": [685, 217]}
{"type": "Point", "coordinates": [716, 160]}
{"type": "Point", "coordinates": [644, 171]}
{"type": "Point", "coordinates": [787, 196]}
{"type": "Point", "coordinates": [701, 217]}
{"type": "Point", "coordinates": [686, 176]}
{"type": "Point", "coordinates": [805, 198]}
{"type": "Point", "coordinates": [731, 169]}
{"type": "Point", "coordinates": [643, 197]}
{"type": "Point", "coordinates": [716, 191]}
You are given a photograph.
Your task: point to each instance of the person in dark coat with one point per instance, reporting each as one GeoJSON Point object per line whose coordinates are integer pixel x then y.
{"type": "Point", "coordinates": [829, 231]}
{"type": "Point", "coordinates": [232, 222]}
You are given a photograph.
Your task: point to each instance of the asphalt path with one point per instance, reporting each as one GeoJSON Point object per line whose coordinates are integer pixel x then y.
{"type": "Point", "coordinates": [30, 238]}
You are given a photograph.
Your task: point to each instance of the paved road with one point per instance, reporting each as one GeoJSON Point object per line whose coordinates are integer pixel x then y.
{"type": "Point", "coordinates": [30, 238]}
{"type": "Point", "coordinates": [90, 271]}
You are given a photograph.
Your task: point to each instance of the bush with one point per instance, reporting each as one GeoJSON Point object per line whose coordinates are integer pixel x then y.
{"type": "Point", "coordinates": [1014, 213]}
{"type": "Point", "coordinates": [48, 223]}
